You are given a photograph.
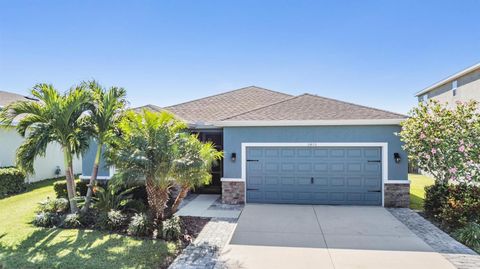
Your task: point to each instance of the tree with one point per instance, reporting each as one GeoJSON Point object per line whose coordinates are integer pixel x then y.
{"type": "Point", "coordinates": [106, 113]}
{"type": "Point", "coordinates": [145, 149]}
{"type": "Point", "coordinates": [444, 142]}
{"type": "Point", "coordinates": [193, 165]}
{"type": "Point", "coordinates": [55, 118]}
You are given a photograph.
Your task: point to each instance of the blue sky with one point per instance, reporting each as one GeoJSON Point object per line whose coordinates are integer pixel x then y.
{"type": "Point", "coordinates": [376, 53]}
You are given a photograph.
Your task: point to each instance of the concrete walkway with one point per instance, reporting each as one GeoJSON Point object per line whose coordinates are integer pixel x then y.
{"type": "Point", "coordinates": [209, 206]}
{"type": "Point", "coordinates": [339, 237]}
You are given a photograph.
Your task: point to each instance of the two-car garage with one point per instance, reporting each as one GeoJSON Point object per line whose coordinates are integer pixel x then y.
{"type": "Point", "coordinates": [314, 174]}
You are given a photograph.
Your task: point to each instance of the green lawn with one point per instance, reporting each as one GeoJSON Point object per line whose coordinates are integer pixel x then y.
{"type": "Point", "coordinates": [417, 190]}
{"type": "Point", "coordinates": [25, 246]}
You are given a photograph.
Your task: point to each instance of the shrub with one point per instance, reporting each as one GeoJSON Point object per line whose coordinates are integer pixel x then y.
{"type": "Point", "coordinates": [87, 219]}
{"type": "Point", "coordinates": [461, 207]}
{"type": "Point", "coordinates": [171, 228]}
{"type": "Point", "coordinates": [140, 225]}
{"type": "Point", "coordinates": [60, 188]}
{"type": "Point", "coordinates": [110, 199]}
{"type": "Point", "coordinates": [112, 220]}
{"type": "Point", "coordinates": [444, 142]}
{"type": "Point", "coordinates": [469, 235]}
{"type": "Point", "coordinates": [12, 181]}
{"type": "Point", "coordinates": [435, 199]}
{"type": "Point", "coordinates": [46, 219]}
{"type": "Point", "coordinates": [72, 221]}
{"type": "Point", "coordinates": [59, 205]}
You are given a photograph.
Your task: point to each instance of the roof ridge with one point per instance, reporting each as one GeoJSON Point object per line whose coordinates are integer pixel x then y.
{"type": "Point", "coordinates": [258, 108]}
{"type": "Point", "coordinates": [150, 106]}
{"type": "Point", "coordinates": [227, 92]}
{"type": "Point", "coordinates": [350, 103]}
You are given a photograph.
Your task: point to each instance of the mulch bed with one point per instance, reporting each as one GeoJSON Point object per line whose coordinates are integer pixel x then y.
{"type": "Point", "coordinates": [191, 227]}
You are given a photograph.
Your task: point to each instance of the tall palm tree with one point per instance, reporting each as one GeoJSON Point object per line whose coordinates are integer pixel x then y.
{"type": "Point", "coordinates": [108, 108]}
{"type": "Point", "coordinates": [146, 149]}
{"type": "Point", "coordinates": [193, 166]}
{"type": "Point", "coordinates": [55, 118]}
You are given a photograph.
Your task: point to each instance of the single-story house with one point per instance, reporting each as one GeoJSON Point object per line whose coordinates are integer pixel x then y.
{"type": "Point", "coordinates": [10, 140]}
{"type": "Point", "coordinates": [304, 149]}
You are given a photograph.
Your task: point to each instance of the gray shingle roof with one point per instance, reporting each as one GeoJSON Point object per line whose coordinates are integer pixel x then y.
{"type": "Point", "coordinates": [313, 107]}
{"type": "Point", "coordinates": [224, 105]}
{"type": "Point", "coordinates": [255, 104]}
{"type": "Point", "coordinates": [10, 97]}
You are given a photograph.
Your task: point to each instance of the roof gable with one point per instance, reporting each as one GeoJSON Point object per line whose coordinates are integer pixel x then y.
{"type": "Point", "coordinates": [224, 105]}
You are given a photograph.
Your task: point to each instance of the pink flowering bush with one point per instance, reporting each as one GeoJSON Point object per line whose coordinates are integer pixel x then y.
{"type": "Point", "coordinates": [445, 142]}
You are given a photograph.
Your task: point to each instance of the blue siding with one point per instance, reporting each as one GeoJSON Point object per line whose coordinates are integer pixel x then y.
{"type": "Point", "coordinates": [87, 162]}
{"type": "Point", "coordinates": [234, 136]}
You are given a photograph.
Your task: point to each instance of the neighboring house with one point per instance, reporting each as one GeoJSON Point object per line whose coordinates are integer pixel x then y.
{"type": "Point", "coordinates": [462, 86]}
{"type": "Point", "coordinates": [302, 149]}
{"type": "Point", "coordinates": [10, 140]}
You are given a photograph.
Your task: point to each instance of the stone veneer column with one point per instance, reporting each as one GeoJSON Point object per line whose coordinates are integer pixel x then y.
{"type": "Point", "coordinates": [233, 191]}
{"type": "Point", "coordinates": [397, 194]}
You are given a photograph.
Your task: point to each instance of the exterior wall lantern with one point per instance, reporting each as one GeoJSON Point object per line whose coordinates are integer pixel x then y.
{"type": "Point", "coordinates": [396, 157]}
{"type": "Point", "coordinates": [233, 157]}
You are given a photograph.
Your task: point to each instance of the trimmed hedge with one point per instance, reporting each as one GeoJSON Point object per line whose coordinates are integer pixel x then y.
{"type": "Point", "coordinates": [60, 188]}
{"type": "Point", "coordinates": [12, 181]}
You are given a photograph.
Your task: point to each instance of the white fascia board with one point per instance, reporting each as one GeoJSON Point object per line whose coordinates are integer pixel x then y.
{"type": "Point", "coordinates": [226, 179]}
{"type": "Point", "coordinates": [308, 122]}
{"type": "Point", "coordinates": [450, 78]}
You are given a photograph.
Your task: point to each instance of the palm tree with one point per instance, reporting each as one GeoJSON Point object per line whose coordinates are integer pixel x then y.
{"type": "Point", "coordinates": [107, 110]}
{"type": "Point", "coordinates": [55, 118]}
{"type": "Point", "coordinates": [146, 149]}
{"type": "Point", "coordinates": [193, 166]}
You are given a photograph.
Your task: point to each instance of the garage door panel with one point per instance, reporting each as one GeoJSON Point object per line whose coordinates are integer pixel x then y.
{"type": "Point", "coordinates": [372, 153]}
{"type": "Point", "coordinates": [337, 196]}
{"type": "Point", "coordinates": [304, 152]}
{"type": "Point", "coordinates": [355, 196]}
{"type": "Point", "coordinates": [255, 180]}
{"type": "Point", "coordinates": [354, 167]}
{"type": "Point", "coordinates": [340, 175]}
{"type": "Point", "coordinates": [255, 168]}
{"type": "Point", "coordinates": [320, 167]}
{"type": "Point", "coordinates": [288, 167]}
{"type": "Point", "coordinates": [372, 167]}
{"type": "Point", "coordinates": [337, 181]}
{"type": "Point", "coordinates": [288, 180]}
{"type": "Point", "coordinates": [303, 181]}
{"type": "Point", "coordinates": [337, 167]}
{"type": "Point", "coordinates": [372, 182]}
{"type": "Point", "coordinates": [304, 167]}
{"type": "Point", "coordinates": [269, 153]}
{"type": "Point", "coordinates": [336, 153]}
{"type": "Point", "coordinates": [271, 180]}
{"type": "Point", "coordinates": [355, 181]}
{"type": "Point", "coordinates": [354, 153]}
{"type": "Point", "coordinates": [320, 153]}
{"type": "Point", "coordinates": [272, 167]}
{"type": "Point", "coordinates": [320, 181]}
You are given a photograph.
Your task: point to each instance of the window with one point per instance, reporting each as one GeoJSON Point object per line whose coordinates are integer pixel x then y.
{"type": "Point", "coordinates": [454, 87]}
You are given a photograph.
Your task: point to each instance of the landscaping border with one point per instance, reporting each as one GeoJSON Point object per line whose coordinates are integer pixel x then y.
{"type": "Point", "coordinates": [459, 255]}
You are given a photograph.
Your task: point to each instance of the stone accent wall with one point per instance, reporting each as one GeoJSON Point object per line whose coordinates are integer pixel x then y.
{"type": "Point", "coordinates": [233, 192]}
{"type": "Point", "coordinates": [397, 195]}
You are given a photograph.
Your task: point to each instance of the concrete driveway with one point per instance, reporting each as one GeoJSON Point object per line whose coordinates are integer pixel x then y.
{"type": "Point", "coordinates": [304, 236]}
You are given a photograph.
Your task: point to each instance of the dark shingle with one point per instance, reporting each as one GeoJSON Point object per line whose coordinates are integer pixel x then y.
{"type": "Point", "coordinates": [313, 107]}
